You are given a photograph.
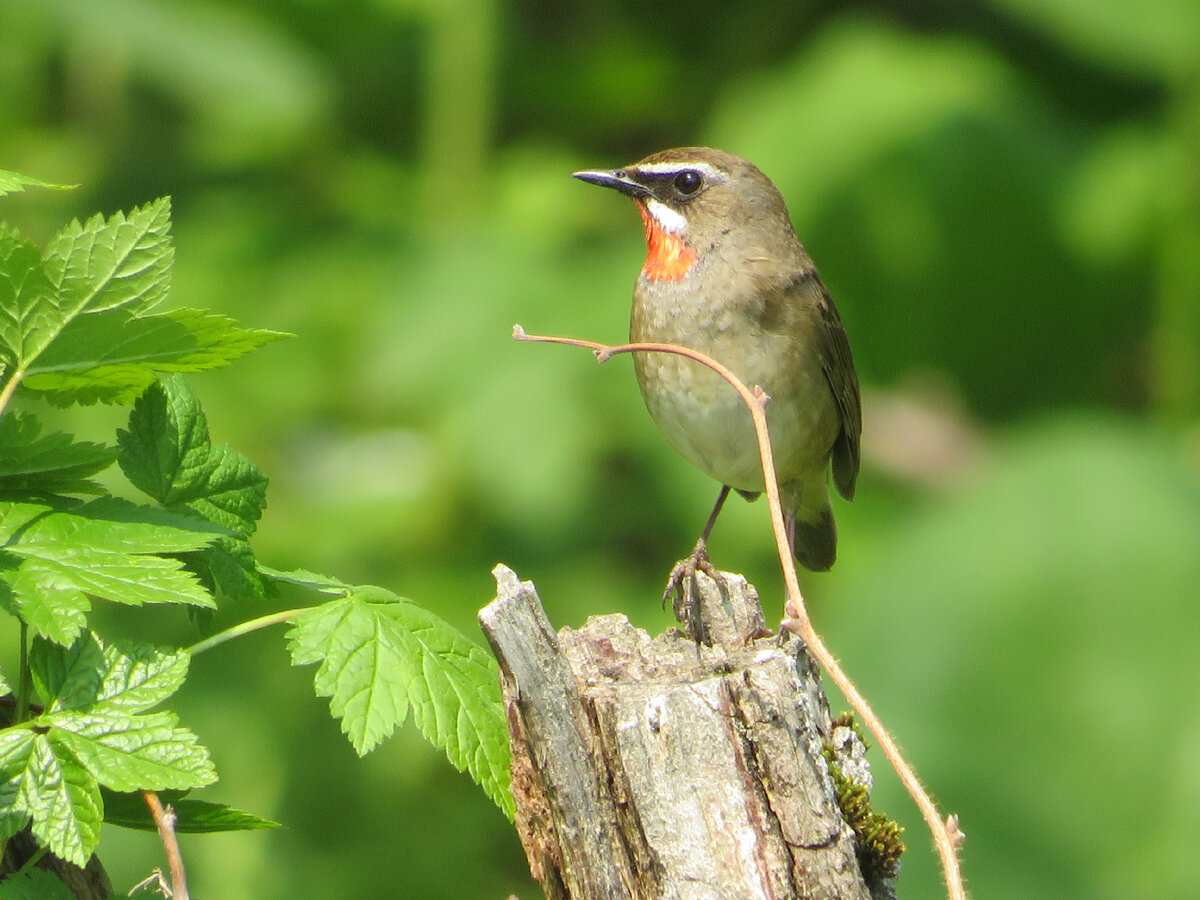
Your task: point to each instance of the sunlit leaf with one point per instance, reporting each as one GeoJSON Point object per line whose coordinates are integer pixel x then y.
{"type": "Point", "coordinates": [54, 561]}
{"type": "Point", "coordinates": [54, 790]}
{"type": "Point", "coordinates": [30, 317]}
{"type": "Point", "coordinates": [36, 465]}
{"type": "Point", "coordinates": [122, 261]}
{"type": "Point", "coordinates": [90, 733]}
{"type": "Point", "coordinates": [127, 753]}
{"type": "Point", "coordinates": [167, 453]}
{"type": "Point", "coordinates": [379, 654]}
{"type": "Point", "coordinates": [111, 357]}
{"type": "Point", "coordinates": [14, 182]}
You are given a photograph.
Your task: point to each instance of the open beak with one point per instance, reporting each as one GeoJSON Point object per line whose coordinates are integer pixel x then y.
{"type": "Point", "coordinates": [617, 179]}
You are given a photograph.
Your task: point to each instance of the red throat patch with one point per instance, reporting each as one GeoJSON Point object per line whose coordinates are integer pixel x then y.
{"type": "Point", "coordinates": [668, 258]}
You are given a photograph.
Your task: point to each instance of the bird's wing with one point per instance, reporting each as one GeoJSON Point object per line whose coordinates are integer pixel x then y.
{"type": "Point", "coordinates": [838, 365]}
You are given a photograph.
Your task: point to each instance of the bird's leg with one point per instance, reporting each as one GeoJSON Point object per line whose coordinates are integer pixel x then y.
{"type": "Point", "coordinates": [681, 580]}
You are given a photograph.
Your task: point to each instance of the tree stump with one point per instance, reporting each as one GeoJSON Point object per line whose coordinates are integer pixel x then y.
{"type": "Point", "coordinates": [89, 883]}
{"type": "Point", "coordinates": [674, 768]}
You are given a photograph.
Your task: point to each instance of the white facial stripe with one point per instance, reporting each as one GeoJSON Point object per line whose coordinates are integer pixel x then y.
{"type": "Point", "coordinates": [670, 220]}
{"type": "Point", "coordinates": [665, 168]}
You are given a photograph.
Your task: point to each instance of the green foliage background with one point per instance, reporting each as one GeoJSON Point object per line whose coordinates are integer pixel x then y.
{"type": "Point", "coordinates": [1003, 197]}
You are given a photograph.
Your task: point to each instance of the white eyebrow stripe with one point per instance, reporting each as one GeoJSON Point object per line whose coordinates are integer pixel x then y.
{"type": "Point", "coordinates": [670, 220]}
{"type": "Point", "coordinates": [665, 168]}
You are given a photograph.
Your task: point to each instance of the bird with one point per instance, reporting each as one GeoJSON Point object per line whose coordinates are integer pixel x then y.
{"type": "Point", "coordinates": [726, 275]}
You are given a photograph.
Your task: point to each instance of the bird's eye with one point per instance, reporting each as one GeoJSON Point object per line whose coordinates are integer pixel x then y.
{"type": "Point", "coordinates": [688, 182]}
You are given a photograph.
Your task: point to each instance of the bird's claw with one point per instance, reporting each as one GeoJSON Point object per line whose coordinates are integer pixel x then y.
{"type": "Point", "coordinates": [681, 583]}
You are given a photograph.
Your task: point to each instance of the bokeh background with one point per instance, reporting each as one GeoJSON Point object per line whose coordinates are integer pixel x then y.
{"type": "Point", "coordinates": [1004, 198]}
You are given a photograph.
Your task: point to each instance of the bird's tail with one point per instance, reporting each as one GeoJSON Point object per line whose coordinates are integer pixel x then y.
{"type": "Point", "coordinates": [815, 543]}
{"type": "Point", "coordinates": [813, 532]}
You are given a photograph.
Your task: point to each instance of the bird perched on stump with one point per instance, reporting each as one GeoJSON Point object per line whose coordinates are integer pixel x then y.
{"type": "Point", "coordinates": [726, 275]}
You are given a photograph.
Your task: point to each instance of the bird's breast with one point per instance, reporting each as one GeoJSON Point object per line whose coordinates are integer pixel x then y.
{"type": "Point", "coordinates": [701, 415]}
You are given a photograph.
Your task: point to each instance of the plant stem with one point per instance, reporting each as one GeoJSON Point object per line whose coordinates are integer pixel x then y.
{"type": "Point", "coordinates": [24, 679]}
{"type": "Point", "coordinates": [9, 389]}
{"type": "Point", "coordinates": [245, 628]}
{"type": "Point", "coordinates": [164, 820]}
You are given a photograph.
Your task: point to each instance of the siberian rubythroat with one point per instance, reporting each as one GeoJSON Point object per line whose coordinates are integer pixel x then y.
{"type": "Point", "coordinates": [726, 275]}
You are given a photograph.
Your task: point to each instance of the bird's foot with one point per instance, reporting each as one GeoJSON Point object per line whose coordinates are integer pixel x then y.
{"type": "Point", "coordinates": [681, 583]}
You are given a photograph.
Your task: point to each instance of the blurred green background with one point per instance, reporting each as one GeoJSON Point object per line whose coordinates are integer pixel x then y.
{"type": "Point", "coordinates": [1003, 197]}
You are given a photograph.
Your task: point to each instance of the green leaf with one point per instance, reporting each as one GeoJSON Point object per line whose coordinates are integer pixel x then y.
{"type": "Point", "coordinates": [76, 324]}
{"type": "Point", "coordinates": [29, 313]}
{"type": "Point", "coordinates": [129, 753]}
{"type": "Point", "coordinates": [67, 677]}
{"type": "Point", "coordinates": [167, 453]}
{"type": "Point", "coordinates": [54, 561]}
{"type": "Point", "coordinates": [36, 884]}
{"type": "Point", "coordinates": [15, 516]}
{"type": "Point", "coordinates": [50, 465]}
{"type": "Point", "coordinates": [140, 676]}
{"type": "Point", "coordinates": [125, 676]}
{"type": "Point", "coordinates": [229, 570]}
{"type": "Point", "coordinates": [378, 654]}
{"type": "Point", "coordinates": [310, 581]}
{"type": "Point", "coordinates": [12, 818]}
{"type": "Point", "coordinates": [15, 182]}
{"type": "Point", "coordinates": [50, 786]}
{"type": "Point", "coordinates": [122, 261]}
{"type": "Point", "coordinates": [128, 810]}
{"type": "Point", "coordinates": [91, 734]}
{"type": "Point", "coordinates": [111, 357]}
{"type": "Point", "coordinates": [92, 695]}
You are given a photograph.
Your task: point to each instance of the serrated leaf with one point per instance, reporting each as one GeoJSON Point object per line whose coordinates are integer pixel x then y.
{"type": "Point", "coordinates": [54, 561]}
{"type": "Point", "coordinates": [363, 668]}
{"type": "Point", "coordinates": [127, 752]}
{"type": "Point", "coordinates": [129, 522]}
{"type": "Point", "coordinates": [15, 746]}
{"type": "Point", "coordinates": [140, 676]}
{"type": "Point", "coordinates": [59, 613]}
{"type": "Point", "coordinates": [91, 734]}
{"type": "Point", "coordinates": [15, 182]}
{"type": "Point", "coordinates": [12, 819]}
{"type": "Point", "coordinates": [15, 516]}
{"type": "Point", "coordinates": [127, 677]}
{"type": "Point", "coordinates": [167, 453]}
{"type": "Point", "coordinates": [113, 356]}
{"type": "Point", "coordinates": [122, 261]}
{"type": "Point", "coordinates": [192, 816]}
{"type": "Point", "coordinates": [54, 790]}
{"type": "Point", "coordinates": [311, 581]}
{"type": "Point", "coordinates": [67, 677]}
{"type": "Point", "coordinates": [37, 465]}
{"type": "Point", "coordinates": [36, 884]}
{"type": "Point", "coordinates": [457, 703]}
{"type": "Point", "coordinates": [228, 570]}
{"type": "Point", "coordinates": [379, 654]}
{"type": "Point", "coordinates": [30, 317]}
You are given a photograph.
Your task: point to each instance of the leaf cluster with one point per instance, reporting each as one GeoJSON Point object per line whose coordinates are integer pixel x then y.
{"type": "Point", "coordinates": [80, 323]}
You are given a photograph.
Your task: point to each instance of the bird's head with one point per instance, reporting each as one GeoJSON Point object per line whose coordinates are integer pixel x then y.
{"type": "Point", "coordinates": [696, 201]}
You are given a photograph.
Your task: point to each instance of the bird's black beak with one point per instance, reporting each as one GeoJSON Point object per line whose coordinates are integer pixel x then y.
{"type": "Point", "coordinates": [618, 179]}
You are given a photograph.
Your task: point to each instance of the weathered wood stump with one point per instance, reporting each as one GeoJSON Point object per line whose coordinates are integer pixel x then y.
{"type": "Point", "coordinates": [90, 883]}
{"type": "Point", "coordinates": [674, 768]}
